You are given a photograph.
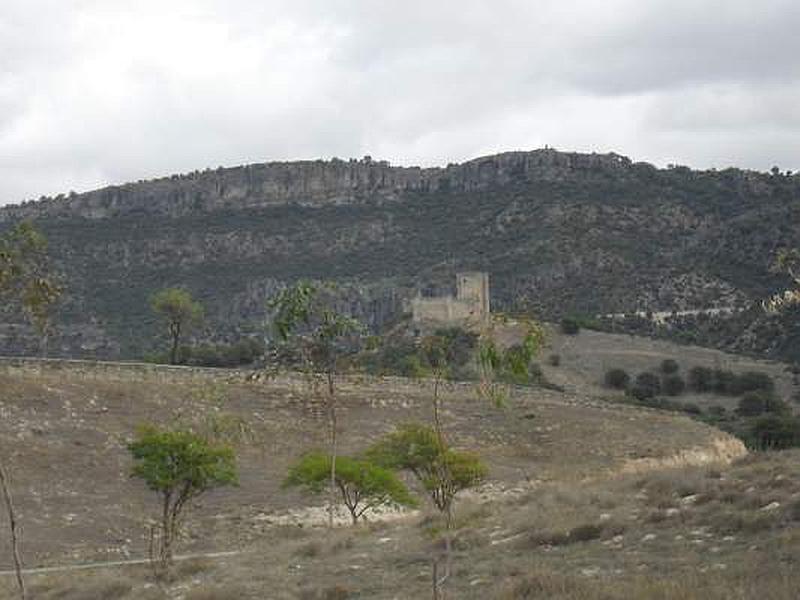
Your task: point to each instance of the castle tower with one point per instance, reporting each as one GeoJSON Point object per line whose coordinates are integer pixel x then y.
{"type": "Point", "coordinates": [473, 287]}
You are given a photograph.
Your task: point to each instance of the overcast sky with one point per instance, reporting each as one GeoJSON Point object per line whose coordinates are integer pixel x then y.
{"type": "Point", "coordinates": [107, 91]}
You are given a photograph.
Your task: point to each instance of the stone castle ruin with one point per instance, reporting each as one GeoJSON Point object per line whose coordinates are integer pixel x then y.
{"type": "Point", "coordinates": [469, 307]}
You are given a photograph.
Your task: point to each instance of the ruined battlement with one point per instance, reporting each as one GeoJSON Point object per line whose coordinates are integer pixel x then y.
{"type": "Point", "coordinates": [469, 308]}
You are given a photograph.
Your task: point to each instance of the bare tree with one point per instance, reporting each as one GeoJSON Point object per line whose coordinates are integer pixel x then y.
{"type": "Point", "coordinates": [14, 527]}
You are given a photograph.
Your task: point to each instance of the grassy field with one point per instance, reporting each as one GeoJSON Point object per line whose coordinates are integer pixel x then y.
{"type": "Point", "coordinates": [586, 499]}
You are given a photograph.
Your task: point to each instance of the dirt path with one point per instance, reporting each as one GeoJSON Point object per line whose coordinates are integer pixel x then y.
{"type": "Point", "coordinates": [118, 563]}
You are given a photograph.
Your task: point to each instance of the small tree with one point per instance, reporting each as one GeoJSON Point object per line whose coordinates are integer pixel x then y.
{"type": "Point", "coordinates": [180, 312]}
{"type": "Point", "coordinates": [26, 278]}
{"type": "Point", "coordinates": [363, 485]}
{"type": "Point", "coordinates": [490, 362]}
{"type": "Point", "coordinates": [307, 326]}
{"type": "Point", "coordinates": [441, 471]}
{"type": "Point", "coordinates": [180, 466]}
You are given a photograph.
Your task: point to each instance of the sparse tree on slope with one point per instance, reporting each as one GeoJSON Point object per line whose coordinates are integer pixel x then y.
{"type": "Point", "coordinates": [306, 325]}
{"type": "Point", "coordinates": [442, 472]}
{"type": "Point", "coordinates": [179, 466]}
{"type": "Point", "coordinates": [26, 278]}
{"type": "Point", "coordinates": [180, 312]}
{"type": "Point", "coordinates": [362, 484]}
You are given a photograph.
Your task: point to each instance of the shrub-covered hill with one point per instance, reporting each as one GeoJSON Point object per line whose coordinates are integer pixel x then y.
{"type": "Point", "coordinates": [558, 232]}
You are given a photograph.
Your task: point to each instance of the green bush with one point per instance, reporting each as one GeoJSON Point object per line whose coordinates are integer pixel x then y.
{"type": "Point", "coordinates": [669, 366]}
{"type": "Point", "coordinates": [617, 379]}
{"type": "Point", "coordinates": [646, 386]}
{"type": "Point", "coordinates": [673, 385]}
{"type": "Point", "coordinates": [570, 326]}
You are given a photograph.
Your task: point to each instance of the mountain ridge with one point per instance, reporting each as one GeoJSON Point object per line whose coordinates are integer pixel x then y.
{"type": "Point", "coordinates": [557, 232]}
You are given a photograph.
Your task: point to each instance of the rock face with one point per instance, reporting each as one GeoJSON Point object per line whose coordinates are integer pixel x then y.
{"type": "Point", "coordinates": [305, 183]}
{"type": "Point", "coordinates": [556, 232]}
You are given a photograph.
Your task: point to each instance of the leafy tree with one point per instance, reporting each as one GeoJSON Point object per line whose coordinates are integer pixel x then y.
{"type": "Point", "coordinates": [180, 312]}
{"type": "Point", "coordinates": [490, 363]}
{"type": "Point", "coordinates": [363, 485]}
{"type": "Point", "coordinates": [180, 466]}
{"type": "Point", "coordinates": [442, 472]}
{"type": "Point", "coordinates": [26, 278]}
{"type": "Point", "coordinates": [306, 326]}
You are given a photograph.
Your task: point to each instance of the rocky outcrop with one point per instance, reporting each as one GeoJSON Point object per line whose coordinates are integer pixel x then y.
{"type": "Point", "coordinates": [307, 183]}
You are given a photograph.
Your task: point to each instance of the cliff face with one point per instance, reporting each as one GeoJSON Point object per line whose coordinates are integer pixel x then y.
{"type": "Point", "coordinates": [558, 232]}
{"type": "Point", "coordinates": [305, 183]}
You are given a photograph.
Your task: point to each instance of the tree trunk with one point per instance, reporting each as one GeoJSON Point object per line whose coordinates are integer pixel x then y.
{"type": "Point", "coordinates": [333, 440]}
{"type": "Point", "coordinates": [175, 332]}
{"type": "Point", "coordinates": [445, 476]}
{"type": "Point", "coordinates": [12, 519]}
{"type": "Point", "coordinates": [165, 551]}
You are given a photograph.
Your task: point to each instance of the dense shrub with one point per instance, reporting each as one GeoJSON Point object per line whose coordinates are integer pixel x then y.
{"type": "Point", "coordinates": [774, 432]}
{"type": "Point", "coordinates": [570, 326]}
{"type": "Point", "coordinates": [752, 404]}
{"type": "Point", "coordinates": [244, 352]}
{"type": "Point", "coordinates": [647, 385]}
{"type": "Point", "coordinates": [673, 385]}
{"type": "Point", "coordinates": [669, 366]}
{"type": "Point", "coordinates": [701, 379]}
{"type": "Point", "coordinates": [617, 379]}
{"type": "Point", "coordinates": [750, 381]}
{"type": "Point", "coordinates": [726, 383]}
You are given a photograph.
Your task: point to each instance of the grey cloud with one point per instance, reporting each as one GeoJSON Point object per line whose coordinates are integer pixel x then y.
{"type": "Point", "coordinates": [98, 92]}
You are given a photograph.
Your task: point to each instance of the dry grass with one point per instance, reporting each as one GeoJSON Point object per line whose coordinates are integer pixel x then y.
{"type": "Point", "coordinates": [218, 592]}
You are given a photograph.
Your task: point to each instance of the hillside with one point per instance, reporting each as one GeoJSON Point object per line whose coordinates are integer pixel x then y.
{"type": "Point", "coordinates": [587, 498]}
{"type": "Point", "coordinates": [558, 232]}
